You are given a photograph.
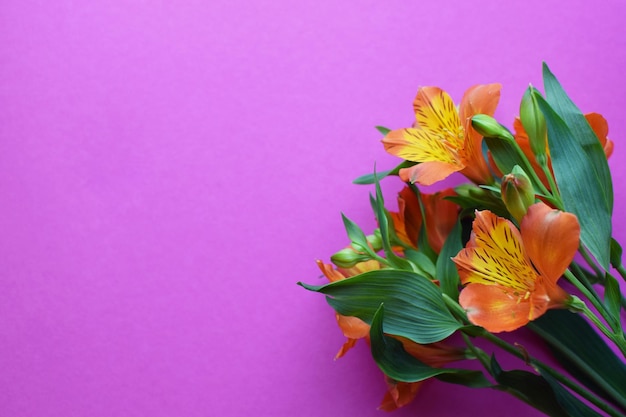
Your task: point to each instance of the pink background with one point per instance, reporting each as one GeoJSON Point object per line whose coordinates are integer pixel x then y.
{"type": "Point", "coordinates": [169, 170]}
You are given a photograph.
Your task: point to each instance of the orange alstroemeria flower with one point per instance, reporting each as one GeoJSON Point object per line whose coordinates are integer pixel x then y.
{"type": "Point", "coordinates": [597, 123]}
{"type": "Point", "coordinates": [352, 327]}
{"type": "Point", "coordinates": [434, 354]}
{"type": "Point", "coordinates": [441, 215]}
{"type": "Point", "coordinates": [442, 139]}
{"type": "Point", "coordinates": [511, 275]}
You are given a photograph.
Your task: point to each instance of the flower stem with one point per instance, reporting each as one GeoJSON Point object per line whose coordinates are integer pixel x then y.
{"type": "Point", "coordinates": [544, 368]}
{"type": "Point", "coordinates": [592, 296]}
{"type": "Point", "coordinates": [587, 257]}
{"type": "Point", "coordinates": [458, 311]}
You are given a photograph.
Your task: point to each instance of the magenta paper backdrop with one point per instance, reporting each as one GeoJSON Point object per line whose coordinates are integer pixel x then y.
{"type": "Point", "coordinates": [170, 170]}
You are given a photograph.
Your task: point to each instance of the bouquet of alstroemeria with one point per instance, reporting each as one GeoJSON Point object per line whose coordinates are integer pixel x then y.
{"type": "Point", "coordinates": [526, 243]}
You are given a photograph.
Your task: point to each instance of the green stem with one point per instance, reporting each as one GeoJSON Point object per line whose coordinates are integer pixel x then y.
{"type": "Point", "coordinates": [553, 187]}
{"type": "Point", "coordinates": [616, 338]}
{"type": "Point", "coordinates": [477, 352]}
{"type": "Point", "coordinates": [568, 352]}
{"type": "Point", "coordinates": [592, 296]}
{"type": "Point", "coordinates": [553, 198]}
{"type": "Point", "coordinates": [542, 367]}
{"type": "Point", "coordinates": [587, 257]}
{"type": "Point", "coordinates": [622, 271]}
{"type": "Point", "coordinates": [458, 311]}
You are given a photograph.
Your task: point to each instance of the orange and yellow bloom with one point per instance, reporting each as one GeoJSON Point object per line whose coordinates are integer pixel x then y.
{"type": "Point", "coordinates": [442, 139]}
{"type": "Point", "coordinates": [597, 123]}
{"type": "Point", "coordinates": [437, 354]}
{"type": "Point", "coordinates": [440, 213]}
{"type": "Point", "coordinates": [510, 275]}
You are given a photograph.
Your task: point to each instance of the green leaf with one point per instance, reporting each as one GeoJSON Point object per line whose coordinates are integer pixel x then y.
{"type": "Point", "coordinates": [386, 232]}
{"type": "Point", "coordinates": [612, 299]}
{"type": "Point", "coordinates": [583, 353]}
{"type": "Point", "coordinates": [395, 362]}
{"type": "Point", "coordinates": [446, 269]}
{"type": "Point", "coordinates": [572, 405]}
{"type": "Point", "coordinates": [356, 235]}
{"type": "Point", "coordinates": [422, 262]}
{"type": "Point", "coordinates": [616, 254]}
{"type": "Point", "coordinates": [580, 168]}
{"type": "Point", "coordinates": [472, 379]}
{"type": "Point", "coordinates": [507, 155]}
{"type": "Point", "coordinates": [414, 306]}
{"type": "Point", "coordinates": [371, 178]}
{"type": "Point", "coordinates": [383, 130]}
{"type": "Point", "coordinates": [528, 387]}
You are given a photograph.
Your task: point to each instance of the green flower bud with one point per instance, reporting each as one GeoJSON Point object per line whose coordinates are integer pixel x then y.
{"type": "Point", "coordinates": [518, 193]}
{"type": "Point", "coordinates": [534, 123]}
{"type": "Point", "coordinates": [348, 257]}
{"type": "Point", "coordinates": [488, 127]}
{"type": "Point", "coordinates": [375, 240]}
{"type": "Point", "coordinates": [471, 191]}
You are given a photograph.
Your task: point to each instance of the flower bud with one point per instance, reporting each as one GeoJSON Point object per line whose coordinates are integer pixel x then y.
{"type": "Point", "coordinates": [488, 127]}
{"type": "Point", "coordinates": [375, 240]}
{"type": "Point", "coordinates": [518, 193]}
{"type": "Point", "coordinates": [534, 123]}
{"type": "Point", "coordinates": [348, 257]}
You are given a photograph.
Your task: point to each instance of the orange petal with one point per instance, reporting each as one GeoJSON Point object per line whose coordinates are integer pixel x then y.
{"type": "Point", "coordinates": [411, 214]}
{"type": "Point", "coordinates": [551, 238]}
{"type": "Point", "coordinates": [441, 215]}
{"type": "Point", "coordinates": [432, 354]}
{"type": "Point", "coordinates": [329, 272]}
{"type": "Point", "coordinates": [349, 344]}
{"type": "Point", "coordinates": [495, 308]}
{"type": "Point", "coordinates": [601, 129]}
{"type": "Point", "coordinates": [399, 394]}
{"type": "Point", "coordinates": [479, 99]}
{"type": "Point", "coordinates": [353, 327]}
{"type": "Point", "coordinates": [428, 173]}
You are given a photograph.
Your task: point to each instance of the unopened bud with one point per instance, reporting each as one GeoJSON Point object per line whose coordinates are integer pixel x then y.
{"type": "Point", "coordinates": [348, 257]}
{"type": "Point", "coordinates": [488, 127]}
{"type": "Point", "coordinates": [375, 240]}
{"type": "Point", "coordinates": [534, 123]}
{"type": "Point", "coordinates": [471, 191]}
{"type": "Point", "coordinates": [518, 193]}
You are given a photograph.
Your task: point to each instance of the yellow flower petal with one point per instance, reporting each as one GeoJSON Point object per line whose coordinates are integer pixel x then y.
{"type": "Point", "coordinates": [495, 256]}
{"type": "Point", "coordinates": [436, 114]}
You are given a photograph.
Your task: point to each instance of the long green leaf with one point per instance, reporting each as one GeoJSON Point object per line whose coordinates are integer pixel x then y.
{"type": "Point", "coordinates": [446, 269]}
{"type": "Point", "coordinates": [356, 235]}
{"type": "Point", "coordinates": [572, 405]}
{"type": "Point", "coordinates": [612, 299]}
{"type": "Point", "coordinates": [580, 168]}
{"type": "Point", "coordinates": [528, 387]}
{"type": "Point", "coordinates": [583, 353]}
{"type": "Point", "coordinates": [414, 305]}
{"type": "Point", "coordinates": [386, 231]}
{"type": "Point", "coordinates": [395, 362]}
{"type": "Point", "coordinates": [371, 178]}
{"type": "Point", "coordinates": [507, 155]}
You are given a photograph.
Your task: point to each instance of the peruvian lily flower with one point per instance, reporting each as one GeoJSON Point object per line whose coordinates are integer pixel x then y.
{"type": "Point", "coordinates": [511, 275]}
{"type": "Point", "coordinates": [353, 328]}
{"type": "Point", "coordinates": [441, 215]}
{"type": "Point", "coordinates": [597, 123]}
{"type": "Point", "coordinates": [442, 139]}
{"type": "Point", "coordinates": [437, 354]}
